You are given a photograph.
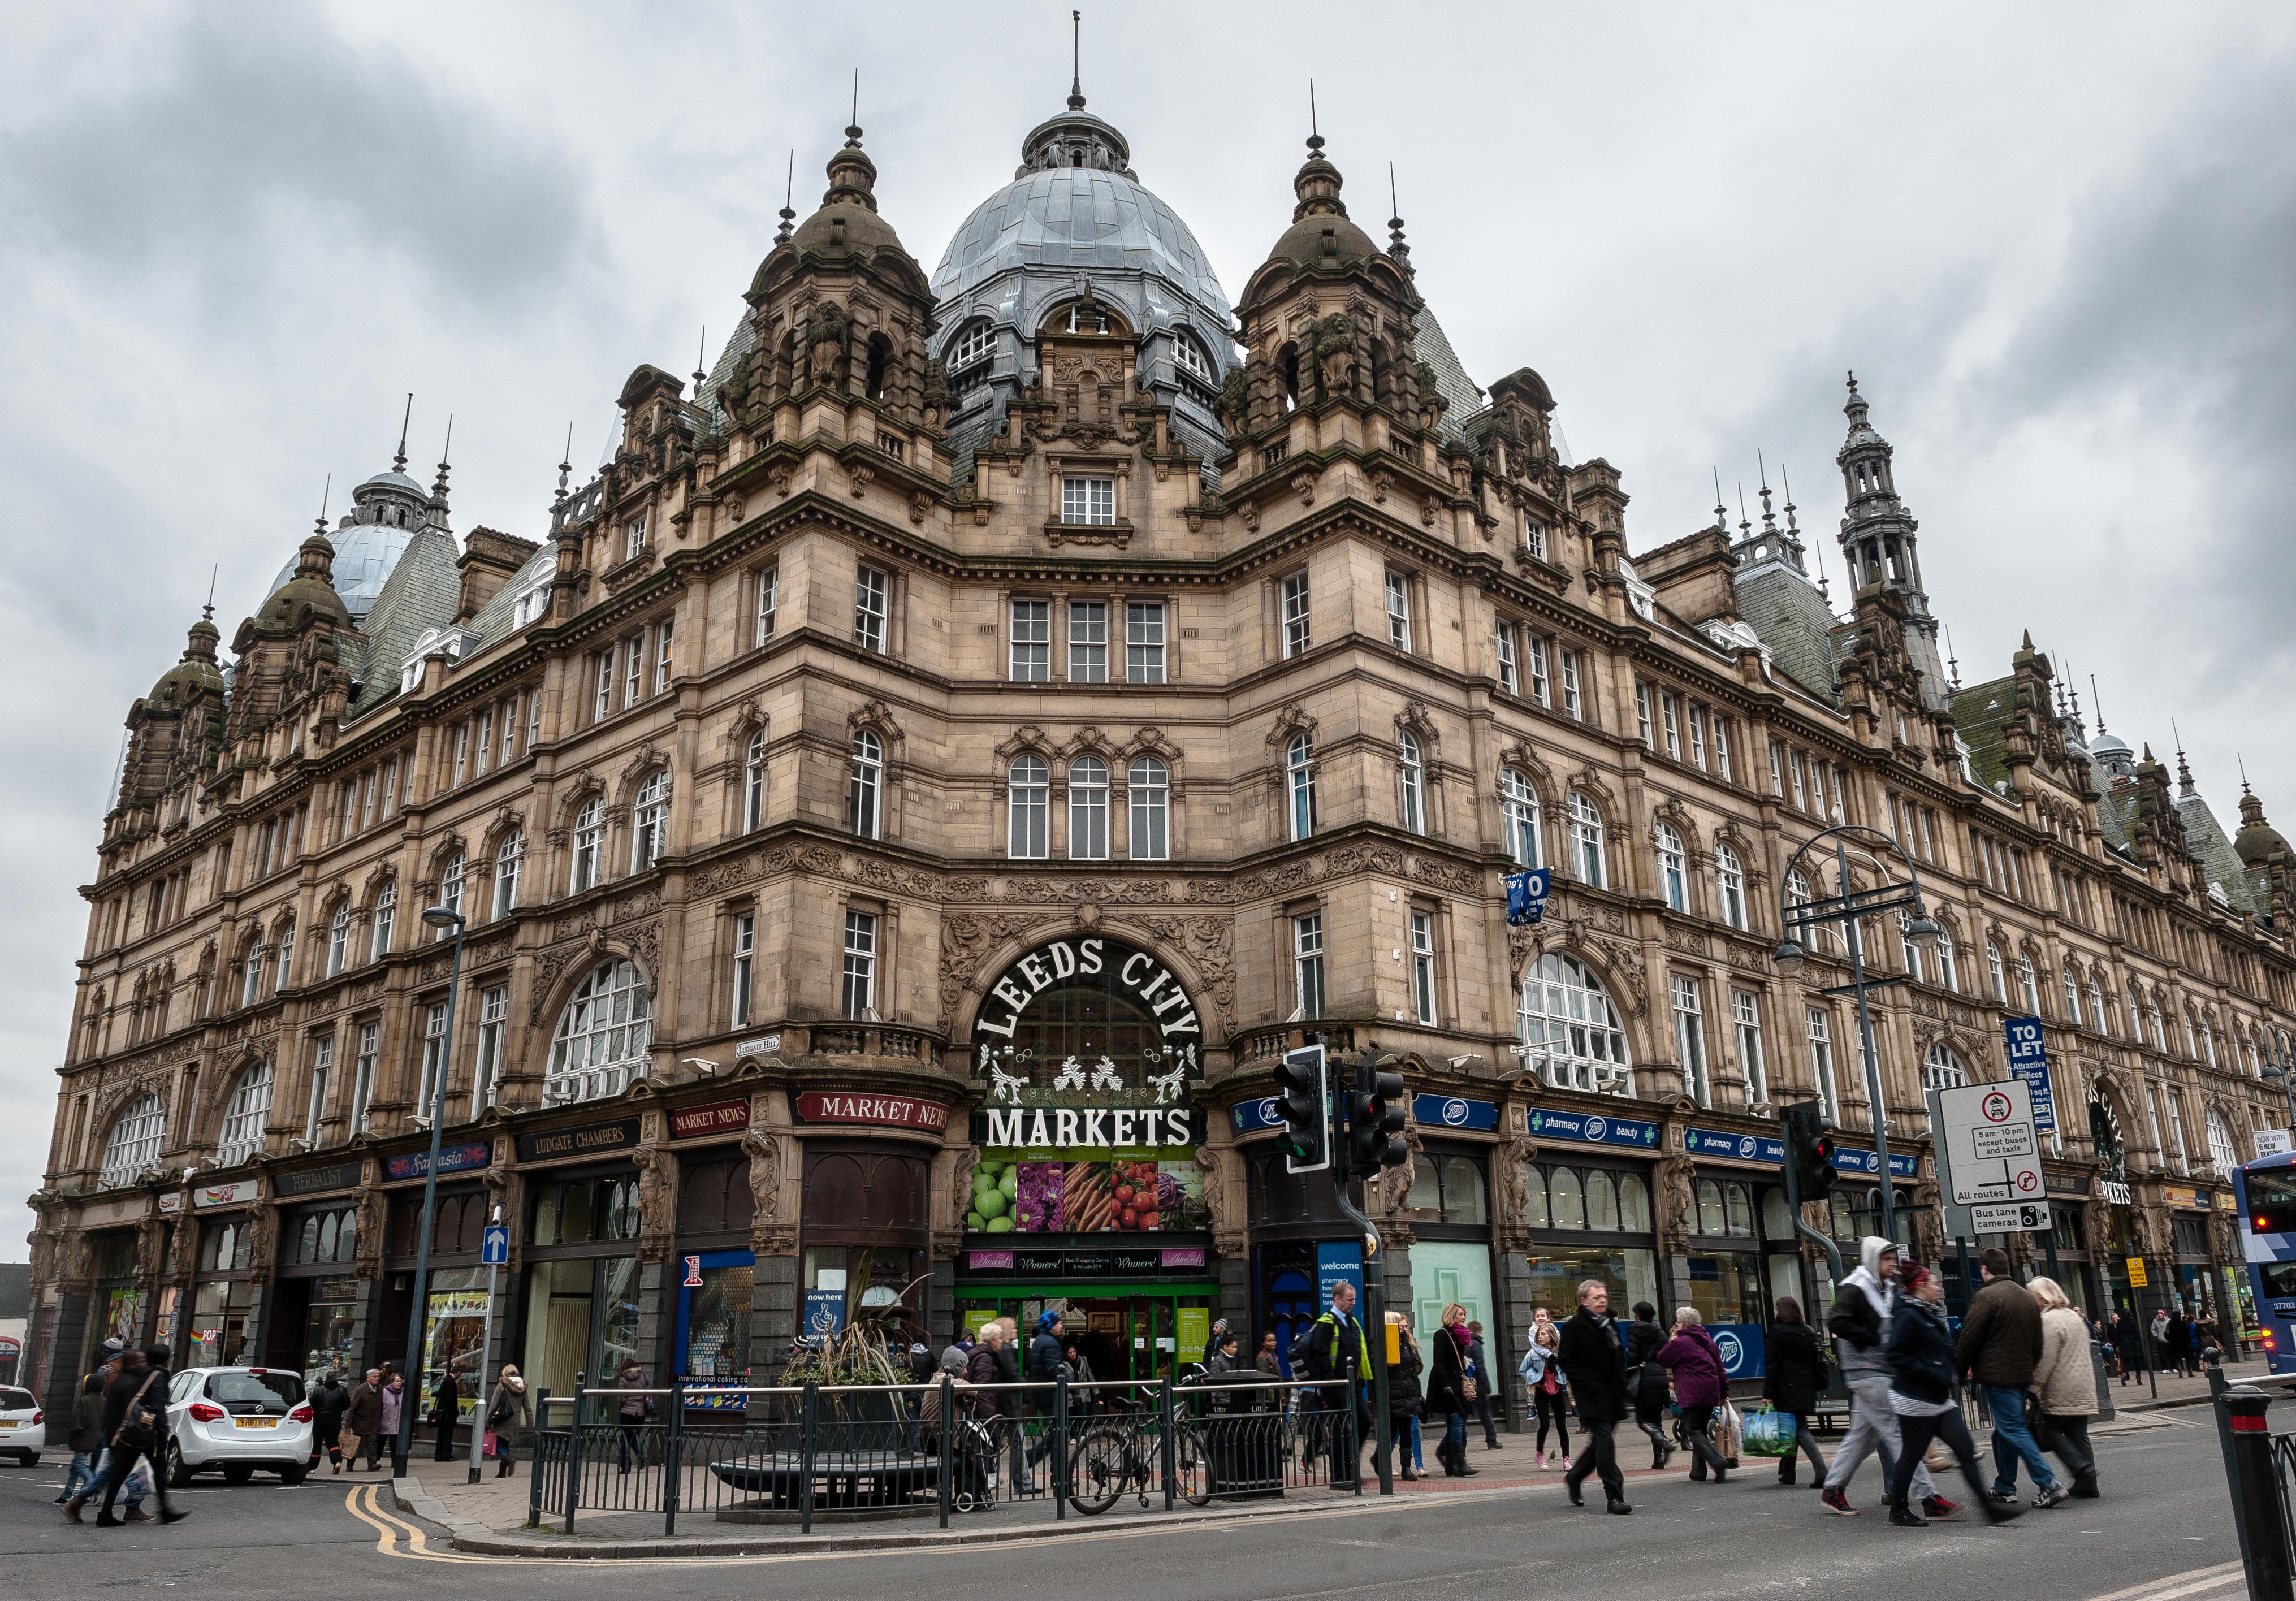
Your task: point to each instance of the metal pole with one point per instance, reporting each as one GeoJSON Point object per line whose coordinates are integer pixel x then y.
{"type": "Point", "coordinates": [1060, 1475]}
{"type": "Point", "coordinates": [1876, 1105]}
{"type": "Point", "coordinates": [485, 1355]}
{"type": "Point", "coordinates": [2256, 1491]}
{"type": "Point", "coordinates": [412, 1398]}
{"type": "Point", "coordinates": [947, 1436]}
{"type": "Point", "coordinates": [534, 1460]}
{"type": "Point", "coordinates": [1373, 1325]}
{"type": "Point", "coordinates": [574, 1452]}
{"type": "Point", "coordinates": [673, 1469]}
{"type": "Point", "coordinates": [804, 1462]}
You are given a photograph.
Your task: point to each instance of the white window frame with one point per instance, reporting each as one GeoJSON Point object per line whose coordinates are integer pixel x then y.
{"type": "Point", "coordinates": [1534, 656]}
{"type": "Point", "coordinates": [1572, 707]}
{"type": "Point", "coordinates": [1746, 1016]}
{"type": "Point", "coordinates": [1588, 858]}
{"type": "Point", "coordinates": [386, 918]}
{"type": "Point", "coordinates": [241, 1134]}
{"type": "Point", "coordinates": [1730, 882]}
{"type": "Point", "coordinates": [1510, 677]}
{"type": "Point", "coordinates": [769, 597]}
{"type": "Point", "coordinates": [1297, 638]}
{"type": "Point", "coordinates": [1422, 967]}
{"type": "Point", "coordinates": [603, 1035]}
{"type": "Point", "coordinates": [322, 1069]}
{"type": "Point", "coordinates": [650, 821]}
{"type": "Point", "coordinates": [363, 1072]}
{"type": "Point", "coordinates": [864, 786]}
{"type": "Point", "coordinates": [1673, 868]}
{"type": "Point", "coordinates": [872, 607]}
{"type": "Point", "coordinates": [1411, 776]}
{"type": "Point", "coordinates": [974, 343]}
{"type": "Point", "coordinates": [753, 782]}
{"type": "Point", "coordinates": [434, 1057]}
{"type": "Point", "coordinates": [1690, 1038]}
{"type": "Point", "coordinates": [1300, 767]}
{"type": "Point", "coordinates": [1669, 714]}
{"type": "Point", "coordinates": [745, 959]}
{"type": "Point", "coordinates": [1308, 964]}
{"type": "Point", "coordinates": [859, 987]}
{"type": "Point", "coordinates": [1643, 716]}
{"type": "Point", "coordinates": [134, 1143]}
{"type": "Point", "coordinates": [1143, 642]}
{"type": "Point", "coordinates": [590, 845]}
{"type": "Point", "coordinates": [510, 860]}
{"type": "Point", "coordinates": [1030, 658]}
{"type": "Point", "coordinates": [1029, 805]}
{"type": "Point", "coordinates": [493, 1014]}
{"type": "Point", "coordinates": [1818, 1026]}
{"type": "Point", "coordinates": [1088, 500]}
{"type": "Point", "coordinates": [1087, 641]}
{"type": "Point", "coordinates": [1087, 785]}
{"type": "Point", "coordinates": [1519, 818]}
{"type": "Point", "coordinates": [1148, 803]}
{"type": "Point", "coordinates": [1398, 610]}
{"type": "Point", "coordinates": [339, 939]}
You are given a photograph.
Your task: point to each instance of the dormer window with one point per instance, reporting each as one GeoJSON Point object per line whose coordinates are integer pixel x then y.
{"type": "Point", "coordinates": [1189, 356]}
{"type": "Point", "coordinates": [410, 676]}
{"type": "Point", "coordinates": [972, 345]}
{"type": "Point", "coordinates": [1534, 536]}
{"type": "Point", "coordinates": [529, 605]}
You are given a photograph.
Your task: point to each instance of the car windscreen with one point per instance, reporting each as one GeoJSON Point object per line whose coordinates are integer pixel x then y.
{"type": "Point", "coordinates": [268, 1392]}
{"type": "Point", "coordinates": [16, 1400]}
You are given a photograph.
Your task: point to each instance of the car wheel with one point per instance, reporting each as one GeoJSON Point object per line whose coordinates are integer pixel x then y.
{"type": "Point", "coordinates": [292, 1475]}
{"type": "Point", "coordinates": [179, 1471]}
{"type": "Point", "coordinates": [238, 1472]}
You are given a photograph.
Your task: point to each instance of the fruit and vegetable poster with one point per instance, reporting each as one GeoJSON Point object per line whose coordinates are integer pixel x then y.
{"type": "Point", "coordinates": [1014, 1196]}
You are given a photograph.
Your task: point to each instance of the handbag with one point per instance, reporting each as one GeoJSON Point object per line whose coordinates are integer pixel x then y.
{"type": "Point", "coordinates": [2039, 1425]}
{"type": "Point", "coordinates": [1729, 1430]}
{"type": "Point", "coordinates": [139, 1426]}
{"type": "Point", "coordinates": [493, 1445]}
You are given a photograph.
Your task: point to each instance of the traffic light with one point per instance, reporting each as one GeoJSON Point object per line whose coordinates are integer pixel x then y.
{"type": "Point", "coordinates": [1809, 1149]}
{"type": "Point", "coordinates": [1303, 1085]}
{"type": "Point", "coordinates": [1375, 1120]}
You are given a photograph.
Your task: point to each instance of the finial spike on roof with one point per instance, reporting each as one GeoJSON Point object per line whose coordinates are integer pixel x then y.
{"type": "Point", "coordinates": [853, 128]}
{"type": "Point", "coordinates": [1745, 523]}
{"type": "Point", "coordinates": [325, 490]}
{"type": "Point", "coordinates": [2028, 639]}
{"type": "Point", "coordinates": [1315, 132]}
{"type": "Point", "coordinates": [1791, 527]}
{"type": "Point", "coordinates": [445, 455]}
{"type": "Point", "coordinates": [1721, 512]}
{"type": "Point", "coordinates": [700, 362]}
{"type": "Point", "coordinates": [208, 612]}
{"type": "Point", "coordinates": [399, 464]}
{"type": "Point", "coordinates": [788, 211]}
{"type": "Point", "coordinates": [2096, 701]}
{"type": "Point", "coordinates": [1952, 662]}
{"type": "Point", "coordinates": [1075, 60]}
{"type": "Point", "coordinates": [2243, 763]}
{"type": "Point", "coordinates": [1769, 517]}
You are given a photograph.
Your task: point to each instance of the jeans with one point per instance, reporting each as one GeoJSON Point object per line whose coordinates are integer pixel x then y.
{"type": "Point", "coordinates": [1915, 1440]}
{"type": "Point", "coordinates": [1454, 1436]}
{"type": "Point", "coordinates": [1418, 1455]}
{"type": "Point", "coordinates": [1599, 1457]}
{"type": "Point", "coordinates": [1873, 1427]}
{"type": "Point", "coordinates": [1483, 1414]}
{"type": "Point", "coordinates": [119, 1464]}
{"type": "Point", "coordinates": [2013, 1442]}
{"type": "Point", "coordinates": [632, 1443]}
{"type": "Point", "coordinates": [81, 1475]}
{"type": "Point", "coordinates": [1553, 1407]}
{"type": "Point", "coordinates": [1806, 1444]}
{"type": "Point", "coordinates": [2073, 1445]}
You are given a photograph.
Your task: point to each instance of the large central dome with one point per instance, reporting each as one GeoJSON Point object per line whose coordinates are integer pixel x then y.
{"type": "Point", "coordinates": [1076, 207]}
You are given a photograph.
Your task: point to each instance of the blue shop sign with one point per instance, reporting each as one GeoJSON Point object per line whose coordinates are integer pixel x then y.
{"type": "Point", "coordinates": [1338, 1262]}
{"type": "Point", "coordinates": [825, 1313]}
{"type": "Point", "coordinates": [1247, 1116]}
{"type": "Point", "coordinates": [1849, 1161]}
{"type": "Point", "coordinates": [1595, 1128]}
{"type": "Point", "coordinates": [1453, 1112]}
{"type": "Point", "coordinates": [1740, 1345]}
{"type": "Point", "coordinates": [1735, 1147]}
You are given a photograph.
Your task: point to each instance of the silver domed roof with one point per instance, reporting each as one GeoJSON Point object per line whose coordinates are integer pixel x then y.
{"type": "Point", "coordinates": [1077, 219]}
{"type": "Point", "coordinates": [364, 555]}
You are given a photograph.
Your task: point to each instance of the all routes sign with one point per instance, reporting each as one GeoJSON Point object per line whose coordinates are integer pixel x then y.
{"type": "Point", "coordinates": [1992, 1154]}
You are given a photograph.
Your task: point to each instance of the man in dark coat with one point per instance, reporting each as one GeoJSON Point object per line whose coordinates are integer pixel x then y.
{"type": "Point", "coordinates": [1999, 1347]}
{"type": "Point", "coordinates": [125, 1454]}
{"type": "Point", "coordinates": [1594, 1366]}
{"type": "Point", "coordinates": [1794, 1374]}
{"type": "Point", "coordinates": [364, 1418]}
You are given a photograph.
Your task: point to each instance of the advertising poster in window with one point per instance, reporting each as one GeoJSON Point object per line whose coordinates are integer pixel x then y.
{"type": "Point", "coordinates": [454, 1322]}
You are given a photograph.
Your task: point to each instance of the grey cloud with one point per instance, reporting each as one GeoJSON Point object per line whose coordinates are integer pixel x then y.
{"type": "Point", "coordinates": [244, 138]}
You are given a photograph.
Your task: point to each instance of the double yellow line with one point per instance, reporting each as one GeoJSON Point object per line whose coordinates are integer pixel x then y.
{"type": "Point", "coordinates": [395, 1536]}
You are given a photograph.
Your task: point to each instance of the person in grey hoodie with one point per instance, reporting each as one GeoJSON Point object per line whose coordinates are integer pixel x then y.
{"type": "Point", "coordinates": [1863, 1306]}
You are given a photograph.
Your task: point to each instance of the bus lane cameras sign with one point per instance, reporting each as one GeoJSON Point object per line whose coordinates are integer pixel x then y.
{"type": "Point", "coordinates": [1992, 1154]}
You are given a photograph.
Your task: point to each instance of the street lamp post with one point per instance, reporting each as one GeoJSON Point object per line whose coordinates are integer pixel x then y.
{"type": "Point", "coordinates": [437, 917]}
{"type": "Point", "coordinates": [1847, 906]}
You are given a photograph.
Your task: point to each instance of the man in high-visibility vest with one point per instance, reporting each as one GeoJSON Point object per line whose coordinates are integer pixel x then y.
{"type": "Point", "coordinates": [1334, 1348]}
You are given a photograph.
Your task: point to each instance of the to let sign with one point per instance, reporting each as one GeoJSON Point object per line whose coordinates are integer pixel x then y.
{"type": "Point", "coordinates": [2028, 1060]}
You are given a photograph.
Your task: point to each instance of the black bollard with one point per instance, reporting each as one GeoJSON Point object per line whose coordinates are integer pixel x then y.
{"type": "Point", "coordinates": [2256, 1495]}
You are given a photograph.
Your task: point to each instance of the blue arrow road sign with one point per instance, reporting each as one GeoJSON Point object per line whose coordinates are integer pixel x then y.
{"type": "Point", "coordinates": [493, 1246]}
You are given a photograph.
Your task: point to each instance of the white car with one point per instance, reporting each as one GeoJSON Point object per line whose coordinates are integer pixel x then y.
{"type": "Point", "coordinates": [23, 1427]}
{"type": "Point", "coordinates": [238, 1419]}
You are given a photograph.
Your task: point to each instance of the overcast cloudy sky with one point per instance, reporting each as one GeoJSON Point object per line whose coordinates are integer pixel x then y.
{"type": "Point", "coordinates": [2058, 244]}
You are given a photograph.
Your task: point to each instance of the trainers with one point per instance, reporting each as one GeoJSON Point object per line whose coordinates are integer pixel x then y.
{"type": "Point", "coordinates": [1539, 1457]}
{"type": "Point", "coordinates": [2053, 1496]}
{"type": "Point", "coordinates": [1835, 1501]}
{"type": "Point", "coordinates": [1938, 1507]}
{"type": "Point", "coordinates": [135, 1515]}
{"type": "Point", "coordinates": [1904, 1519]}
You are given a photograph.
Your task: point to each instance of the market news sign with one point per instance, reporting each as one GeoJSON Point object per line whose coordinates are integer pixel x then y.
{"type": "Point", "coordinates": [852, 1106]}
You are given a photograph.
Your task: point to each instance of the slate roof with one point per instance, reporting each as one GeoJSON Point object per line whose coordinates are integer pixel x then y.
{"type": "Point", "coordinates": [2211, 847]}
{"type": "Point", "coordinates": [1980, 716]}
{"type": "Point", "coordinates": [1451, 380]}
{"type": "Point", "coordinates": [1789, 615]}
{"type": "Point", "coordinates": [421, 592]}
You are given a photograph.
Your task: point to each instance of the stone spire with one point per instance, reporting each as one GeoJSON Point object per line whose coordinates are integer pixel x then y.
{"type": "Point", "coordinates": [1877, 538]}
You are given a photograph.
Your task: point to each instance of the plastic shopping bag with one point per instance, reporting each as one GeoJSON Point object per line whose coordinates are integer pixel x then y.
{"type": "Point", "coordinates": [1768, 1434]}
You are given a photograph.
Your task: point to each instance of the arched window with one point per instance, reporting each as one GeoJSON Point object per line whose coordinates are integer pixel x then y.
{"type": "Point", "coordinates": [1738, 1210]}
{"type": "Point", "coordinates": [2208, 1023]}
{"type": "Point", "coordinates": [881, 367]}
{"type": "Point", "coordinates": [286, 960]}
{"type": "Point", "coordinates": [1150, 787]}
{"type": "Point", "coordinates": [972, 344]}
{"type": "Point", "coordinates": [1087, 809]}
{"type": "Point", "coordinates": [1586, 841]}
{"type": "Point", "coordinates": [386, 914]}
{"type": "Point", "coordinates": [510, 856]}
{"type": "Point", "coordinates": [1633, 1204]}
{"type": "Point", "coordinates": [2072, 997]}
{"type": "Point", "coordinates": [2096, 1008]}
{"type": "Point", "coordinates": [1534, 1204]}
{"type": "Point", "coordinates": [250, 976]}
{"type": "Point", "coordinates": [1413, 774]}
{"type": "Point", "coordinates": [862, 782]}
{"type": "Point", "coordinates": [589, 842]}
{"type": "Point", "coordinates": [650, 821]}
{"type": "Point", "coordinates": [1730, 882]}
{"type": "Point", "coordinates": [1711, 1218]}
{"type": "Point", "coordinates": [2221, 1150]}
{"type": "Point", "coordinates": [1942, 1070]}
{"type": "Point", "coordinates": [1995, 973]}
{"type": "Point", "coordinates": [2159, 1032]}
{"type": "Point", "coordinates": [450, 890]}
{"type": "Point", "coordinates": [1568, 1199]}
{"type": "Point", "coordinates": [244, 1115]}
{"type": "Point", "coordinates": [753, 783]}
{"type": "Point", "coordinates": [1573, 1036]}
{"type": "Point", "coordinates": [1188, 356]}
{"type": "Point", "coordinates": [134, 1143]}
{"type": "Point", "coordinates": [1808, 936]}
{"type": "Point", "coordinates": [603, 1035]}
{"type": "Point", "coordinates": [1673, 871]}
{"type": "Point", "coordinates": [1300, 763]}
{"type": "Point", "coordinates": [339, 939]}
{"type": "Point", "coordinates": [1029, 798]}
{"type": "Point", "coordinates": [1602, 1202]}
{"type": "Point", "coordinates": [1519, 817]}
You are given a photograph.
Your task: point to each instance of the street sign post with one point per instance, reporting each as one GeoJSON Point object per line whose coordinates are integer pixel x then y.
{"type": "Point", "coordinates": [1992, 1153]}
{"type": "Point", "coordinates": [494, 1251]}
{"type": "Point", "coordinates": [494, 1246]}
{"type": "Point", "coordinates": [2009, 1217]}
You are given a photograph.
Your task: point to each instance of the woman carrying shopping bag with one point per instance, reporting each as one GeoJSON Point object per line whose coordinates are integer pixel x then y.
{"type": "Point", "coordinates": [1793, 1376]}
{"type": "Point", "coordinates": [508, 1413]}
{"type": "Point", "coordinates": [1451, 1388]}
{"type": "Point", "coordinates": [1701, 1385]}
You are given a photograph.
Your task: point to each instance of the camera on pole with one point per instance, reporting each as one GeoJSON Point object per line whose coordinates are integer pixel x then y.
{"type": "Point", "coordinates": [1809, 1150]}
{"type": "Point", "coordinates": [1303, 1087]}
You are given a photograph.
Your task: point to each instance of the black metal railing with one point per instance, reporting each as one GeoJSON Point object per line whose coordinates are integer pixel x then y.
{"type": "Point", "coordinates": [861, 1452]}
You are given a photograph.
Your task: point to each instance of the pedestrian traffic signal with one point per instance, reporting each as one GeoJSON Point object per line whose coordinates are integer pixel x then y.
{"type": "Point", "coordinates": [1303, 1098]}
{"type": "Point", "coordinates": [1375, 1120]}
{"type": "Point", "coordinates": [1809, 1150]}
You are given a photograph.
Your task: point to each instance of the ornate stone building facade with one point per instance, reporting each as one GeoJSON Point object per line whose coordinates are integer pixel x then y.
{"type": "Point", "coordinates": [903, 806]}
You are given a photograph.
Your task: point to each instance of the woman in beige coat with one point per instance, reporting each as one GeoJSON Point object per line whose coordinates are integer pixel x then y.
{"type": "Point", "coordinates": [2066, 1383]}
